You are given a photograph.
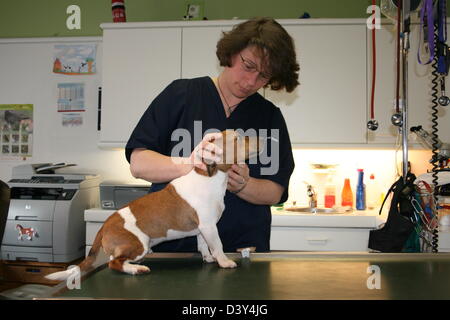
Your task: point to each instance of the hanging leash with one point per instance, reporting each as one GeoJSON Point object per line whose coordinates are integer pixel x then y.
{"type": "Point", "coordinates": [372, 124]}
{"type": "Point", "coordinates": [426, 35]}
{"type": "Point", "coordinates": [442, 51]}
{"type": "Point", "coordinates": [433, 46]}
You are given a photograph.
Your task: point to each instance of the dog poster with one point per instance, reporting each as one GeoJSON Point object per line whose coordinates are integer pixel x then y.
{"type": "Point", "coordinates": [16, 130]}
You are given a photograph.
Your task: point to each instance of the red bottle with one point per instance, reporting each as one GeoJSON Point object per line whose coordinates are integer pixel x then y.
{"type": "Point", "coordinates": [330, 195]}
{"type": "Point", "coordinates": [118, 11]}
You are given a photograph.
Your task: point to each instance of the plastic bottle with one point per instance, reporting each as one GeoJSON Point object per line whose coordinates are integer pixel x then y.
{"type": "Point", "coordinates": [330, 194]}
{"type": "Point", "coordinates": [118, 11]}
{"type": "Point", "coordinates": [373, 195]}
{"type": "Point", "coordinates": [360, 191]}
{"type": "Point", "coordinates": [347, 194]}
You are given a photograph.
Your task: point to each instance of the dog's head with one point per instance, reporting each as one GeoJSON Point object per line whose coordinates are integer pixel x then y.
{"type": "Point", "coordinates": [236, 149]}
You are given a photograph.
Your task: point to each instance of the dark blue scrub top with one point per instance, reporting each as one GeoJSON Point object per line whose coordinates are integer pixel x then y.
{"type": "Point", "coordinates": [182, 103]}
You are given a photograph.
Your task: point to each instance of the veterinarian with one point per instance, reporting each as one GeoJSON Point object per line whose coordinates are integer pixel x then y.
{"type": "Point", "coordinates": [254, 54]}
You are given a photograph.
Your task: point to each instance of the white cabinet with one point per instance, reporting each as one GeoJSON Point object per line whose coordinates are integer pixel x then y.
{"type": "Point", "coordinates": [329, 106]}
{"type": "Point", "coordinates": [199, 51]}
{"type": "Point", "coordinates": [319, 239]}
{"type": "Point", "coordinates": [444, 239]}
{"type": "Point", "coordinates": [140, 59]}
{"type": "Point", "coordinates": [138, 63]}
{"type": "Point", "coordinates": [419, 88]}
{"type": "Point", "coordinates": [307, 232]}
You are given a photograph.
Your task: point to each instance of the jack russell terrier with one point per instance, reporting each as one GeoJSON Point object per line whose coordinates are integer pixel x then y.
{"type": "Point", "coordinates": [189, 205]}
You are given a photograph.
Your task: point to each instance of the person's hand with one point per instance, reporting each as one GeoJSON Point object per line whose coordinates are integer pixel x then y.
{"type": "Point", "coordinates": [206, 151]}
{"type": "Point", "coordinates": [238, 177]}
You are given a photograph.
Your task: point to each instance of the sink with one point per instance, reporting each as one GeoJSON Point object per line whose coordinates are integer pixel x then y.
{"type": "Point", "coordinates": [317, 210]}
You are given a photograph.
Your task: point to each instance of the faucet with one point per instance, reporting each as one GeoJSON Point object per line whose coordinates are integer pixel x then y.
{"type": "Point", "coordinates": [312, 196]}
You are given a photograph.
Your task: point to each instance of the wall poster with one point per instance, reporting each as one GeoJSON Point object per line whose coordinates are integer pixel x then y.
{"type": "Point", "coordinates": [16, 130]}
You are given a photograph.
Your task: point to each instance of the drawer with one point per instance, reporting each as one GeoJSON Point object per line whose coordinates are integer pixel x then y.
{"type": "Point", "coordinates": [31, 209]}
{"type": "Point", "coordinates": [319, 239]}
{"type": "Point", "coordinates": [26, 256]}
{"type": "Point", "coordinates": [32, 272]}
{"type": "Point", "coordinates": [41, 237]}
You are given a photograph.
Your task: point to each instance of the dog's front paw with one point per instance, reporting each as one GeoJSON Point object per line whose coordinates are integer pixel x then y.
{"type": "Point", "coordinates": [227, 264]}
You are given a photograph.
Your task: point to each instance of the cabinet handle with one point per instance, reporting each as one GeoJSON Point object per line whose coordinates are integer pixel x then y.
{"type": "Point", "coordinates": [99, 109]}
{"type": "Point", "coordinates": [322, 241]}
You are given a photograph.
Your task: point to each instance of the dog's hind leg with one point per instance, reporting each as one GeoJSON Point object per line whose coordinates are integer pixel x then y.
{"type": "Point", "coordinates": [121, 261]}
{"type": "Point", "coordinates": [122, 264]}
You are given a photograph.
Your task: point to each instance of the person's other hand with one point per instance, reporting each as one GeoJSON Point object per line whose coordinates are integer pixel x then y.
{"type": "Point", "coordinates": [238, 177]}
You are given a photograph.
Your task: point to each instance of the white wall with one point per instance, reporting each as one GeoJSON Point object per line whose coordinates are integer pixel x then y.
{"type": "Point", "coordinates": [26, 77]}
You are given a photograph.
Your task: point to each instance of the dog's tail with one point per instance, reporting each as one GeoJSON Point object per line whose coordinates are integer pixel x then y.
{"type": "Point", "coordinates": [94, 259]}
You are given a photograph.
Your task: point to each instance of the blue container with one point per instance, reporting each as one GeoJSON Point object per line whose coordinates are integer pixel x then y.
{"type": "Point", "coordinates": [360, 191]}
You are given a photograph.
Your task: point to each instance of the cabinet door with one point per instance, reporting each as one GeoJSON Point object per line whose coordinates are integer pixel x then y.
{"type": "Point", "coordinates": [199, 51]}
{"type": "Point", "coordinates": [137, 65]}
{"type": "Point", "coordinates": [419, 88]}
{"type": "Point", "coordinates": [329, 106]}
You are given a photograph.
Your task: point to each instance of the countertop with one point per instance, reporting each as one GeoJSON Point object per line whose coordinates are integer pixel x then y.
{"type": "Point", "coordinates": [355, 219]}
{"type": "Point", "coordinates": [282, 218]}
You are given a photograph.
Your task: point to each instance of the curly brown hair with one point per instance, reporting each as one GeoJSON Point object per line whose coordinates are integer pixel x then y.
{"type": "Point", "coordinates": [275, 47]}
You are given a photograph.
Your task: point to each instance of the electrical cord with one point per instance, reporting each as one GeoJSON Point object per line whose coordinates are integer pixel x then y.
{"type": "Point", "coordinates": [434, 133]}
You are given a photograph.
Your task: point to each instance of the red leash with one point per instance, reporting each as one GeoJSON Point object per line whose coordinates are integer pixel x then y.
{"type": "Point", "coordinates": [374, 65]}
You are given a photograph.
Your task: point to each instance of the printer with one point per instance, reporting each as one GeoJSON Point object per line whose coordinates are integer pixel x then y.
{"type": "Point", "coordinates": [115, 194]}
{"type": "Point", "coordinates": [45, 219]}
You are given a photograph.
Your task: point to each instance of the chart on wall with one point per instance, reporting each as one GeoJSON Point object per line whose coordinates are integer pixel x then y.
{"type": "Point", "coordinates": [16, 130]}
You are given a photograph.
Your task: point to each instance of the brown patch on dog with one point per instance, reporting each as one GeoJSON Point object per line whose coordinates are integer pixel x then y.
{"type": "Point", "coordinates": [118, 241]}
{"type": "Point", "coordinates": [160, 211]}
